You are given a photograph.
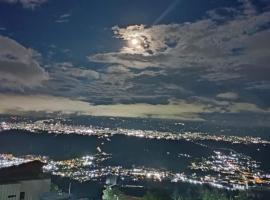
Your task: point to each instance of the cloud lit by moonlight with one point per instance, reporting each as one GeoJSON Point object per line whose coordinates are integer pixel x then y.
{"type": "Point", "coordinates": [138, 39]}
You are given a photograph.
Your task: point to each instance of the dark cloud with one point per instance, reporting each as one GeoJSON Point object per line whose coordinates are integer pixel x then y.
{"type": "Point", "coordinates": [18, 67]}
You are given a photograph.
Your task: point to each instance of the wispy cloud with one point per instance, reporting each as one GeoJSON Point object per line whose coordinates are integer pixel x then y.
{"type": "Point", "coordinates": [64, 18]}
{"type": "Point", "coordinates": [228, 96]}
{"type": "Point", "coordinates": [166, 12]}
{"type": "Point", "coordinates": [29, 4]}
{"type": "Point", "coordinates": [261, 85]}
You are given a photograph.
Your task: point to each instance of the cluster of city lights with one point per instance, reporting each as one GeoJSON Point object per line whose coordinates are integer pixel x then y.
{"type": "Point", "coordinates": [224, 169]}
{"type": "Point", "coordinates": [58, 127]}
{"type": "Point", "coordinates": [230, 171]}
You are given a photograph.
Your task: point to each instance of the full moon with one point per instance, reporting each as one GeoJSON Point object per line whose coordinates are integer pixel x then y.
{"type": "Point", "coordinates": [134, 41]}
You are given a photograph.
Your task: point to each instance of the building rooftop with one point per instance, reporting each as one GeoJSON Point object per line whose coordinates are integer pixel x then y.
{"type": "Point", "coordinates": [26, 171]}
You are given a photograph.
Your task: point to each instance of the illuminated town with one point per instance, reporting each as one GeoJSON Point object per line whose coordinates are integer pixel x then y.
{"type": "Point", "coordinates": [230, 171]}
{"type": "Point", "coordinates": [59, 127]}
{"type": "Point", "coordinates": [224, 168]}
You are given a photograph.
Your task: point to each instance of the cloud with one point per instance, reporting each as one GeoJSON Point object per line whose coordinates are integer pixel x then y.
{"type": "Point", "coordinates": [64, 18]}
{"type": "Point", "coordinates": [29, 4]}
{"type": "Point", "coordinates": [228, 96]}
{"type": "Point", "coordinates": [66, 69]}
{"type": "Point", "coordinates": [70, 80]}
{"type": "Point", "coordinates": [167, 11]}
{"type": "Point", "coordinates": [41, 103]}
{"type": "Point", "coordinates": [18, 67]}
{"type": "Point", "coordinates": [262, 85]}
{"type": "Point", "coordinates": [178, 109]}
{"type": "Point", "coordinates": [229, 46]}
{"type": "Point", "coordinates": [130, 60]}
{"type": "Point", "coordinates": [218, 76]}
{"type": "Point", "coordinates": [220, 47]}
{"type": "Point", "coordinates": [247, 107]}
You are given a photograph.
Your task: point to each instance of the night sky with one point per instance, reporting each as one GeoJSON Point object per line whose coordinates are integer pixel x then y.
{"type": "Point", "coordinates": [205, 60]}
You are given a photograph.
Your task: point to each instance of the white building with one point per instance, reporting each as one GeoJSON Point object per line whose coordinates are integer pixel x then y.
{"type": "Point", "coordinates": [23, 182]}
{"type": "Point", "coordinates": [27, 182]}
{"type": "Point", "coordinates": [24, 189]}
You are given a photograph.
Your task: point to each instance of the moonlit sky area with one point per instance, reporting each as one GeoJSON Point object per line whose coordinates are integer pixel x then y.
{"type": "Point", "coordinates": [171, 59]}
